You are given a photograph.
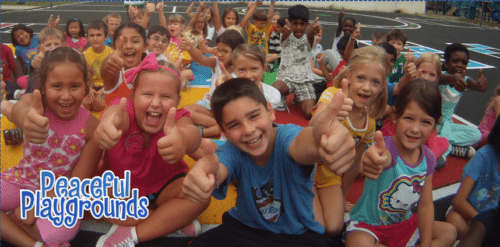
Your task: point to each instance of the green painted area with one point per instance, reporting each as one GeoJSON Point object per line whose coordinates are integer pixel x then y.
{"type": "Point", "coordinates": [324, 15]}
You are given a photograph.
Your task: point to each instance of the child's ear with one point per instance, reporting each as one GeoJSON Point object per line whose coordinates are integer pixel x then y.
{"type": "Point", "coordinates": [271, 111]}
{"type": "Point", "coordinates": [393, 114]}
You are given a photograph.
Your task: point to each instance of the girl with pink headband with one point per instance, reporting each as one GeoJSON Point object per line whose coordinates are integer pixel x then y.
{"type": "Point", "coordinates": [146, 134]}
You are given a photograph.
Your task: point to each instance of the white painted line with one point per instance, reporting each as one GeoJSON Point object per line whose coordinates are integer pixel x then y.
{"type": "Point", "coordinates": [445, 191]}
{"type": "Point", "coordinates": [174, 9]}
{"type": "Point", "coordinates": [464, 121]}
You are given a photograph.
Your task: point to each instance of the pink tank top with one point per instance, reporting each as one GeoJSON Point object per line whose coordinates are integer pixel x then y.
{"type": "Point", "coordinates": [59, 153]}
{"type": "Point", "coordinates": [487, 123]}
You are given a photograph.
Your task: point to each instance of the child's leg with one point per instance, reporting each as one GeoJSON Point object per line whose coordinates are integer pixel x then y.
{"type": "Point", "coordinates": [443, 234]}
{"type": "Point", "coordinates": [329, 208]}
{"type": "Point", "coordinates": [350, 175]}
{"type": "Point", "coordinates": [306, 96]}
{"type": "Point", "coordinates": [203, 117]}
{"type": "Point", "coordinates": [306, 107]}
{"type": "Point", "coordinates": [459, 222]}
{"type": "Point", "coordinates": [13, 233]}
{"type": "Point", "coordinates": [54, 236]}
{"type": "Point", "coordinates": [360, 238]}
{"type": "Point", "coordinates": [282, 87]}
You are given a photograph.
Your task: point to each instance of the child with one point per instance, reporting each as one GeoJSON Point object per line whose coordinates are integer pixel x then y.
{"type": "Point", "coordinates": [209, 15]}
{"type": "Point", "coordinates": [229, 18]}
{"type": "Point", "coordinates": [384, 215]}
{"type": "Point", "coordinates": [397, 38]}
{"type": "Point", "coordinates": [346, 27]}
{"type": "Point", "coordinates": [157, 40]}
{"type": "Point", "coordinates": [491, 114]}
{"type": "Point", "coordinates": [197, 26]}
{"type": "Point", "coordinates": [272, 166]}
{"type": "Point", "coordinates": [148, 136]}
{"type": "Point", "coordinates": [226, 43]}
{"type": "Point", "coordinates": [428, 67]}
{"type": "Point", "coordinates": [275, 43]}
{"type": "Point", "coordinates": [294, 73]}
{"type": "Point", "coordinates": [25, 44]}
{"type": "Point", "coordinates": [75, 34]}
{"type": "Point", "coordinates": [366, 75]}
{"type": "Point", "coordinates": [63, 78]}
{"type": "Point", "coordinates": [460, 136]}
{"type": "Point", "coordinates": [97, 32]}
{"type": "Point", "coordinates": [480, 188]}
{"type": "Point", "coordinates": [130, 47]}
{"type": "Point", "coordinates": [9, 69]}
{"type": "Point", "coordinates": [258, 33]}
{"type": "Point", "coordinates": [176, 55]}
{"type": "Point", "coordinates": [378, 38]}
{"type": "Point", "coordinates": [113, 21]}
{"type": "Point", "coordinates": [142, 16]}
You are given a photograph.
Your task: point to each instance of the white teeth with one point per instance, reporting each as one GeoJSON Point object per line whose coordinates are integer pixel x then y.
{"type": "Point", "coordinates": [254, 140]}
{"type": "Point", "coordinates": [154, 114]}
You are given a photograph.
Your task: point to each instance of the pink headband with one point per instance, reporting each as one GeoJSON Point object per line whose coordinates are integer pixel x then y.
{"type": "Point", "coordinates": [149, 63]}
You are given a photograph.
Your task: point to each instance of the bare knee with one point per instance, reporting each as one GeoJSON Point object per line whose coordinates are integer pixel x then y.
{"type": "Point", "coordinates": [359, 238]}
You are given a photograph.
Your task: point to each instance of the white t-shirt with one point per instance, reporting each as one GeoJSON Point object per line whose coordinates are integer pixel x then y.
{"type": "Point", "coordinates": [271, 94]}
{"type": "Point", "coordinates": [211, 31]}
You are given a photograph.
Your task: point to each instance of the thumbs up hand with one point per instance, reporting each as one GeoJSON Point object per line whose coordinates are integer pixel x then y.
{"type": "Point", "coordinates": [336, 146]}
{"type": "Point", "coordinates": [224, 76]}
{"type": "Point", "coordinates": [357, 33]}
{"type": "Point", "coordinates": [172, 146]}
{"type": "Point", "coordinates": [114, 63]}
{"type": "Point", "coordinates": [109, 131]}
{"type": "Point", "coordinates": [376, 158]}
{"type": "Point", "coordinates": [36, 125]}
{"type": "Point", "coordinates": [482, 81]}
{"type": "Point", "coordinates": [201, 180]}
{"type": "Point", "coordinates": [347, 106]}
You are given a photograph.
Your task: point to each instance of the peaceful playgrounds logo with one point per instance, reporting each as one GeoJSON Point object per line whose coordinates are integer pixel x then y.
{"type": "Point", "coordinates": [73, 197]}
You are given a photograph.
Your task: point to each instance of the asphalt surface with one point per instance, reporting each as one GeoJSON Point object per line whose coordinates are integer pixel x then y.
{"type": "Point", "coordinates": [423, 34]}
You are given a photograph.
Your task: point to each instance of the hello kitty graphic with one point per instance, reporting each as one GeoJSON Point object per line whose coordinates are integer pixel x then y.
{"type": "Point", "coordinates": [402, 195]}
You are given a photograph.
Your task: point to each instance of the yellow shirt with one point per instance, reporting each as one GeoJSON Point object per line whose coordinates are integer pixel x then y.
{"type": "Point", "coordinates": [259, 36]}
{"type": "Point", "coordinates": [94, 61]}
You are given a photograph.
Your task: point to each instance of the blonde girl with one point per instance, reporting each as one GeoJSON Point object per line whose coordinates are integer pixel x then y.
{"type": "Point", "coordinates": [209, 15]}
{"type": "Point", "coordinates": [365, 77]}
{"type": "Point", "coordinates": [68, 149]}
{"type": "Point", "coordinates": [146, 134]}
{"type": "Point", "coordinates": [398, 181]}
{"type": "Point", "coordinates": [181, 58]}
{"type": "Point", "coordinates": [197, 27]}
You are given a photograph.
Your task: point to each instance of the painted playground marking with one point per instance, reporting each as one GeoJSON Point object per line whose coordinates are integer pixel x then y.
{"type": "Point", "coordinates": [443, 23]}
{"type": "Point", "coordinates": [483, 49]}
{"type": "Point", "coordinates": [417, 49]}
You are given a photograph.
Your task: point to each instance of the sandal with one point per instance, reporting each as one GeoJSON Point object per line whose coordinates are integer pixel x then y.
{"type": "Point", "coordinates": [13, 136]}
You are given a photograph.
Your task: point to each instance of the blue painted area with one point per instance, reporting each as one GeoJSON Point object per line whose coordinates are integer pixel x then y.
{"type": "Point", "coordinates": [422, 49]}
{"type": "Point", "coordinates": [479, 46]}
{"type": "Point", "coordinates": [201, 75]}
{"type": "Point", "coordinates": [480, 50]}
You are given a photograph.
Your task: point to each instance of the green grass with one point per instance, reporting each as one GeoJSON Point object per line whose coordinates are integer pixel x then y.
{"type": "Point", "coordinates": [32, 3]}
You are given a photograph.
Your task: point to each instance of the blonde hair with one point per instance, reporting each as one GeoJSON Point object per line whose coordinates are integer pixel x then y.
{"type": "Point", "coordinates": [236, 28]}
{"type": "Point", "coordinates": [252, 51]}
{"type": "Point", "coordinates": [431, 58]}
{"type": "Point", "coordinates": [135, 83]}
{"type": "Point", "coordinates": [176, 19]}
{"type": "Point", "coordinates": [50, 32]}
{"type": "Point", "coordinates": [112, 15]}
{"type": "Point", "coordinates": [361, 57]}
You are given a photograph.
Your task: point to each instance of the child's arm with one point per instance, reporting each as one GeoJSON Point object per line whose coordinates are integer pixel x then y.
{"type": "Point", "coordinates": [328, 140]}
{"type": "Point", "coordinates": [271, 57]}
{"type": "Point", "coordinates": [312, 31]}
{"type": "Point", "coordinates": [250, 10]}
{"type": "Point", "coordinates": [196, 54]}
{"type": "Point", "coordinates": [496, 106]}
{"type": "Point", "coordinates": [189, 10]}
{"type": "Point", "coordinates": [410, 73]}
{"type": "Point", "coordinates": [193, 20]}
{"type": "Point", "coordinates": [376, 158]}
{"type": "Point", "coordinates": [23, 66]}
{"type": "Point", "coordinates": [425, 212]}
{"type": "Point", "coordinates": [217, 20]}
{"type": "Point", "coordinates": [202, 45]}
{"type": "Point", "coordinates": [91, 153]}
{"type": "Point", "coordinates": [480, 85]}
{"type": "Point", "coordinates": [54, 23]}
{"type": "Point", "coordinates": [344, 110]}
{"type": "Point", "coordinates": [456, 81]}
{"type": "Point", "coordinates": [206, 174]}
{"type": "Point", "coordinates": [181, 137]}
{"type": "Point", "coordinates": [112, 65]}
{"type": "Point", "coordinates": [270, 13]}
{"type": "Point", "coordinates": [114, 122]}
{"type": "Point", "coordinates": [340, 28]}
{"type": "Point", "coordinates": [460, 203]}
{"type": "Point", "coordinates": [30, 118]}
{"type": "Point", "coordinates": [161, 15]}
{"type": "Point", "coordinates": [287, 30]}
{"type": "Point", "coordinates": [324, 70]}
{"type": "Point", "coordinates": [349, 49]}
{"type": "Point", "coordinates": [150, 9]}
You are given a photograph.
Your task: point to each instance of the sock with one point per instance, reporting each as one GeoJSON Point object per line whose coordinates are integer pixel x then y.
{"type": "Point", "coordinates": [134, 235]}
{"type": "Point", "coordinates": [38, 244]}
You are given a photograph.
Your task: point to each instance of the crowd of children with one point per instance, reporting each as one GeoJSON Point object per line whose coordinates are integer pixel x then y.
{"type": "Point", "coordinates": [292, 181]}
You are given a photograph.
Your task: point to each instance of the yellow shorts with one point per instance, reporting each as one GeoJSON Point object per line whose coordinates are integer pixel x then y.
{"type": "Point", "coordinates": [324, 177]}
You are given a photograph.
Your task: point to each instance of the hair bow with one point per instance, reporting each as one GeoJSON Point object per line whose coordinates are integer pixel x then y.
{"type": "Point", "coordinates": [149, 63]}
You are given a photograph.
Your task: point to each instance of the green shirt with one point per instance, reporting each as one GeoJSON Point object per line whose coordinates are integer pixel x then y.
{"type": "Point", "coordinates": [397, 69]}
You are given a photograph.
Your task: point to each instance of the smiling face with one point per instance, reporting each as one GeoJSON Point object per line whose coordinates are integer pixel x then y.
{"type": "Point", "coordinates": [428, 71]}
{"type": "Point", "coordinates": [158, 43]}
{"type": "Point", "coordinates": [153, 97]}
{"type": "Point", "coordinates": [246, 67]}
{"type": "Point", "coordinates": [230, 19]}
{"type": "Point", "coordinates": [398, 44]}
{"type": "Point", "coordinates": [317, 37]}
{"type": "Point", "coordinates": [224, 53]}
{"type": "Point", "coordinates": [113, 24]}
{"type": "Point", "coordinates": [64, 90]}
{"type": "Point", "coordinates": [175, 29]}
{"type": "Point", "coordinates": [413, 128]}
{"type": "Point", "coordinates": [299, 28]}
{"type": "Point", "coordinates": [50, 43]}
{"type": "Point", "coordinates": [208, 14]}
{"type": "Point", "coordinates": [22, 37]}
{"type": "Point", "coordinates": [200, 24]}
{"type": "Point", "coordinates": [96, 37]}
{"type": "Point", "coordinates": [133, 47]}
{"type": "Point", "coordinates": [248, 125]}
{"type": "Point", "coordinates": [457, 63]}
{"type": "Point", "coordinates": [74, 30]}
{"type": "Point", "coordinates": [274, 20]}
{"type": "Point", "coordinates": [348, 27]}
{"type": "Point", "coordinates": [365, 84]}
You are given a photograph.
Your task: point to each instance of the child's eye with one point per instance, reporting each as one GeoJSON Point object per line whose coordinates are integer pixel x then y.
{"type": "Point", "coordinates": [232, 126]}
{"type": "Point", "coordinates": [360, 78]}
{"type": "Point", "coordinates": [376, 82]}
{"type": "Point", "coordinates": [254, 116]}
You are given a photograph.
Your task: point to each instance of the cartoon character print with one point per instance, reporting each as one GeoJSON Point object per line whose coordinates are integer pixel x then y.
{"type": "Point", "coordinates": [487, 197]}
{"type": "Point", "coordinates": [31, 53]}
{"type": "Point", "coordinates": [270, 208]}
{"type": "Point", "coordinates": [402, 195]}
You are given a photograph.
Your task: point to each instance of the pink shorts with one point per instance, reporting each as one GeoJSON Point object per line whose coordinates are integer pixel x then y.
{"type": "Point", "coordinates": [402, 234]}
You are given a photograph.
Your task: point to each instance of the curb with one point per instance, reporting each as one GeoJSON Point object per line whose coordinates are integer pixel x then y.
{"type": "Point", "coordinates": [12, 7]}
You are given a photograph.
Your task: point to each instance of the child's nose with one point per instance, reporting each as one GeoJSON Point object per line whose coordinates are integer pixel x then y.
{"type": "Point", "coordinates": [249, 128]}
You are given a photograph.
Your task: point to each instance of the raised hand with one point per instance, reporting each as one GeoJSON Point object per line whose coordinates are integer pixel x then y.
{"type": "Point", "coordinates": [347, 106]}
{"type": "Point", "coordinates": [200, 38]}
{"type": "Point", "coordinates": [132, 11]}
{"type": "Point", "coordinates": [37, 60]}
{"type": "Point", "coordinates": [172, 146]}
{"type": "Point", "coordinates": [375, 158]}
{"type": "Point", "coordinates": [36, 125]}
{"type": "Point", "coordinates": [201, 4]}
{"type": "Point", "coordinates": [287, 29]}
{"type": "Point", "coordinates": [108, 132]}
{"type": "Point", "coordinates": [315, 26]}
{"type": "Point", "coordinates": [185, 43]}
{"type": "Point", "coordinates": [115, 62]}
{"type": "Point", "coordinates": [482, 81]}
{"type": "Point", "coordinates": [336, 146]}
{"type": "Point", "coordinates": [150, 9]}
{"type": "Point", "coordinates": [224, 76]}
{"type": "Point", "coordinates": [160, 6]}
{"type": "Point", "coordinates": [200, 181]}
{"type": "Point", "coordinates": [357, 33]}
{"type": "Point", "coordinates": [258, 3]}
{"type": "Point", "coordinates": [411, 70]}
{"type": "Point", "coordinates": [51, 22]}
{"type": "Point", "coordinates": [342, 13]}
{"type": "Point", "coordinates": [409, 57]}
{"type": "Point", "coordinates": [319, 58]}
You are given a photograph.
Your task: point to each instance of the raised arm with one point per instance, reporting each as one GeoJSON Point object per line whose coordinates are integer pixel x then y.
{"type": "Point", "coordinates": [480, 85]}
{"type": "Point", "coordinates": [217, 20]}
{"type": "Point", "coordinates": [160, 6]}
{"type": "Point", "coordinates": [312, 31]}
{"type": "Point", "coordinates": [150, 9]}
{"type": "Point", "coordinates": [376, 158]}
{"type": "Point", "coordinates": [341, 19]}
{"type": "Point", "coordinates": [189, 10]}
{"type": "Point", "coordinates": [193, 20]}
{"type": "Point", "coordinates": [196, 54]}
{"type": "Point", "coordinates": [112, 65]}
{"type": "Point", "coordinates": [270, 13]}
{"type": "Point", "coordinates": [30, 117]}
{"type": "Point", "coordinates": [250, 11]}
{"type": "Point", "coordinates": [349, 49]}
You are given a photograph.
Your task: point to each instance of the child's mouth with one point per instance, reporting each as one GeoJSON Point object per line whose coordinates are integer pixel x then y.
{"type": "Point", "coordinates": [153, 118]}
{"type": "Point", "coordinates": [129, 57]}
{"type": "Point", "coordinates": [363, 98]}
{"type": "Point", "coordinates": [412, 138]}
{"type": "Point", "coordinates": [66, 107]}
{"type": "Point", "coordinates": [254, 142]}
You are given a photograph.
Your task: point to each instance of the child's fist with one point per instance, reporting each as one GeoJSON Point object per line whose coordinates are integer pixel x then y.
{"type": "Point", "coordinates": [132, 11]}
{"type": "Point", "coordinates": [347, 106]}
{"type": "Point", "coordinates": [115, 62]}
{"type": "Point", "coordinates": [160, 6]}
{"type": "Point", "coordinates": [36, 125]}
{"type": "Point", "coordinates": [172, 147]}
{"type": "Point", "coordinates": [342, 12]}
{"type": "Point", "coordinates": [319, 58]}
{"type": "Point", "coordinates": [200, 181]}
{"type": "Point", "coordinates": [357, 33]}
{"type": "Point", "coordinates": [150, 9]}
{"type": "Point", "coordinates": [108, 132]}
{"type": "Point", "coordinates": [37, 60]}
{"type": "Point", "coordinates": [411, 70]}
{"type": "Point", "coordinates": [482, 81]}
{"type": "Point", "coordinates": [375, 158]}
